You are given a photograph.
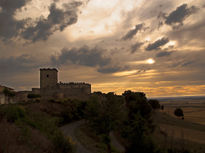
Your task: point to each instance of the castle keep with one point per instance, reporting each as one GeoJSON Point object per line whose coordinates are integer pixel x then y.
{"type": "Point", "coordinates": [50, 88]}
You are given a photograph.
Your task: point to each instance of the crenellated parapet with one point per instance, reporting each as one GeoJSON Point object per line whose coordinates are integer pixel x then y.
{"type": "Point", "coordinates": [74, 85]}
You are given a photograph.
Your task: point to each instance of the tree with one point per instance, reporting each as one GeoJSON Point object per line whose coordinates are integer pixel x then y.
{"type": "Point", "coordinates": [162, 107]}
{"type": "Point", "coordinates": [138, 126]}
{"type": "Point", "coordinates": [104, 113]}
{"type": "Point", "coordinates": [179, 112]}
{"type": "Point", "coordinates": [8, 92]}
{"type": "Point", "coordinates": [137, 102]}
{"type": "Point", "coordinates": [154, 103]}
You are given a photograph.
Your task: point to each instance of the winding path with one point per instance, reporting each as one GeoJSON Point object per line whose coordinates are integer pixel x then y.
{"type": "Point", "coordinates": [69, 130]}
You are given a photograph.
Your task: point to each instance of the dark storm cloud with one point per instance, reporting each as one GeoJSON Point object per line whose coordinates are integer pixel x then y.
{"type": "Point", "coordinates": [157, 44]}
{"type": "Point", "coordinates": [82, 56]}
{"type": "Point", "coordinates": [92, 57]}
{"type": "Point", "coordinates": [10, 27]}
{"type": "Point", "coordinates": [11, 6]}
{"type": "Point", "coordinates": [163, 54]}
{"type": "Point", "coordinates": [135, 47]}
{"type": "Point", "coordinates": [58, 19]}
{"type": "Point", "coordinates": [133, 32]}
{"type": "Point", "coordinates": [12, 65]}
{"type": "Point", "coordinates": [180, 14]}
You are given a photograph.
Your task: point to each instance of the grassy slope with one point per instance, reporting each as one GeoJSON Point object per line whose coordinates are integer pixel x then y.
{"type": "Point", "coordinates": [32, 128]}
{"type": "Point", "coordinates": [164, 118]}
{"type": "Point", "coordinates": [174, 132]}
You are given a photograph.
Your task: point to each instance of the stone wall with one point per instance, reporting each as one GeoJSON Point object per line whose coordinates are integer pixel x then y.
{"type": "Point", "coordinates": [21, 96]}
{"type": "Point", "coordinates": [68, 90]}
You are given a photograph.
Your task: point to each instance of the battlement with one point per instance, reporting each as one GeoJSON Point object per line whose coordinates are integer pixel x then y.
{"type": "Point", "coordinates": [74, 85]}
{"type": "Point", "coordinates": [48, 69]}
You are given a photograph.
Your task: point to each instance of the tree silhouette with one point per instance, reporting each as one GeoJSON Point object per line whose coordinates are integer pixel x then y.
{"type": "Point", "coordinates": [179, 112]}
{"type": "Point", "coordinates": [154, 103]}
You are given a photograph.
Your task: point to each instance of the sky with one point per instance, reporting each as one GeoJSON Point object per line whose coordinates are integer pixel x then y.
{"type": "Point", "coordinates": [151, 46]}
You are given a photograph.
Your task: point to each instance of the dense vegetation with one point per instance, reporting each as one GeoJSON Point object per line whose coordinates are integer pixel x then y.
{"type": "Point", "coordinates": [129, 117]}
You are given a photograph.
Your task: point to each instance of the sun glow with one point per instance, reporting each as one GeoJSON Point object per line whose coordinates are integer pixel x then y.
{"type": "Point", "coordinates": [147, 61]}
{"type": "Point", "coordinates": [150, 61]}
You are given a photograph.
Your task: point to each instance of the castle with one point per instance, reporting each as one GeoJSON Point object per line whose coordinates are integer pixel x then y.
{"type": "Point", "coordinates": [50, 88]}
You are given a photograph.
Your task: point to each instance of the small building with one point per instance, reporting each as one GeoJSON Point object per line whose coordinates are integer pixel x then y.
{"type": "Point", "coordinates": [6, 99]}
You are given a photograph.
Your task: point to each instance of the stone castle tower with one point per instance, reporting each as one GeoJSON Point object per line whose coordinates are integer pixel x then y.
{"type": "Point", "coordinates": [50, 88]}
{"type": "Point", "coordinates": [48, 78]}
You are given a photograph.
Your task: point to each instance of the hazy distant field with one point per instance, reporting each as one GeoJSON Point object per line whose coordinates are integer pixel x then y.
{"type": "Point", "coordinates": [192, 128]}
{"type": "Point", "coordinates": [193, 107]}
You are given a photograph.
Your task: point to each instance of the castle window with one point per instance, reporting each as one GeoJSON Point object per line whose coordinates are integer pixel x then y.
{"type": "Point", "coordinates": [47, 75]}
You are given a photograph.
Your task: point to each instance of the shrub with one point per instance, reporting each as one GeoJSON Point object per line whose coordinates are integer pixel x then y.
{"type": "Point", "coordinates": [61, 144]}
{"type": "Point", "coordinates": [32, 96]}
{"type": "Point", "coordinates": [13, 113]}
{"type": "Point", "coordinates": [179, 112]}
{"type": "Point", "coordinates": [8, 92]}
{"type": "Point", "coordinates": [154, 103]}
{"type": "Point", "coordinates": [74, 110]}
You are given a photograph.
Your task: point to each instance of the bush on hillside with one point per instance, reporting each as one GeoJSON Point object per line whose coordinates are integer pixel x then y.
{"type": "Point", "coordinates": [33, 96]}
{"type": "Point", "coordinates": [179, 112]}
{"type": "Point", "coordinates": [154, 103]}
{"type": "Point", "coordinates": [136, 102]}
{"type": "Point", "coordinates": [13, 112]}
{"type": "Point", "coordinates": [62, 144]}
{"type": "Point", "coordinates": [8, 92]}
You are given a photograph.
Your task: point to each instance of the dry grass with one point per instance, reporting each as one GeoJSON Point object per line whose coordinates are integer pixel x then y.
{"type": "Point", "coordinates": [175, 132]}
{"type": "Point", "coordinates": [185, 133]}
{"type": "Point", "coordinates": [194, 110]}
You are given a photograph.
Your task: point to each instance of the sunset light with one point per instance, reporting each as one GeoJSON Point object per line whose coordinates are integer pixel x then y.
{"type": "Point", "coordinates": [150, 61]}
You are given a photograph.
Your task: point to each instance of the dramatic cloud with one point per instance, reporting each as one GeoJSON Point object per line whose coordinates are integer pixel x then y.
{"type": "Point", "coordinates": [92, 57]}
{"type": "Point", "coordinates": [133, 32]}
{"type": "Point", "coordinates": [12, 65]}
{"type": "Point", "coordinates": [58, 19]}
{"type": "Point", "coordinates": [180, 14]}
{"type": "Point", "coordinates": [189, 33]}
{"type": "Point", "coordinates": [135, 47]}
{"type": "Point", "coordinates": [10, 27]}
{"type": "Point", "coordinates": [163, 54]}
{"type": "Point", "coordinates": [157, 44]}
